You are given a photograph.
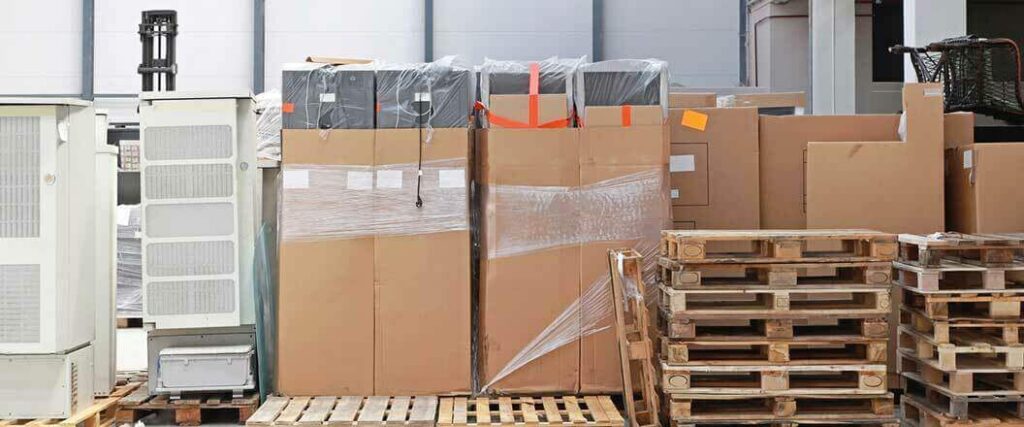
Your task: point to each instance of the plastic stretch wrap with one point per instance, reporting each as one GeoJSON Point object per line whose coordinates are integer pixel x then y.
{"type": "Point", "coordinates": [324, 96]}
{"type": "Point", "coordinates": [437, 94]}
{"type": "Point", "coordinates": [555, 76]}
{"type": "Point", "coordinates": [268, 125]}
{"type": "Point", "coordinates": [331, 202]}
{"type": "Point", "coordinates": [631, 207]}
{"type": "Point", "coordinates": [622, 82]}
{"type": "Point", "coordinates": [129, 261]}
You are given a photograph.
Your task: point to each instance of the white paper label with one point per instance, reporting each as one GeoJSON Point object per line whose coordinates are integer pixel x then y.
{"type": "Point", "coordinates": [296, 179]}
{"type": "Point", "coordinates": [933, 91]}
{"type": "Point", "coordinates": [124, 215]}
{"type": "Point", "coordinates": [359, 180]}
{"type": "Point", "coordinates": [451, 178]}
{"type": "Point", "coordinates": [389, 179]}
{"type": "Point", "coordinates": [327, 97]}
{"type": "Point", "coordinates": [968, 159]}
{"type": "Point", "coordinates": [682, 163]}
{"type": "Point", "coordinates": [422, 96]}
{"type": "Point", "coordinates": [675, 193]}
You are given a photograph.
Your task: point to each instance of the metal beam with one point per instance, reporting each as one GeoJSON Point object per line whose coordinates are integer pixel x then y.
{"type": "Point", "coordinates": [259, 44]}
{"type": "Point", "coordinates": [428, 30]}
{"type": "Point", "coordinates": [743, 42]}
{"type": "Point", "coordinates": [88, 47]}
{"type": "Point", "coordinates": [597, 30]}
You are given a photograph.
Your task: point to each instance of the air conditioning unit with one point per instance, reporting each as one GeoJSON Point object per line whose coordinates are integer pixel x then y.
{"type": "Point", "coordinates": [36, 386]}
{"type": "Point", "coordinates": [47, 211]}
{"type": "Point", "coordinates": [200, 192]}
{"type": "Point", "coordinates": [105, 344]}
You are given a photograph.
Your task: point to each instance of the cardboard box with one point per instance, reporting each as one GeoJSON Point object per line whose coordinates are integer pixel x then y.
{"type": "Point", "coordinates": [691, 100]}
{"type": "Point", "coordinates": [550, 108]}
{"type": "Point", "coordinates": [364, 270]}
{"type": "Point", "coordinates": [894, 186]}
{"type": "Point", "coordinates": [714, 172]}
{"type": "Point", "coordinates": [325, 307]}
{"type": "Point", "coordinates": [982, 190]}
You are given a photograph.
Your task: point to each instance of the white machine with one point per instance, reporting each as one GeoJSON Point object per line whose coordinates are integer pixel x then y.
{"type": "Point", "coordinates": [201, 206]}
{"type": "Point", "coordinates": [105, 344]}
{"type": "Point", "coordinates": [47, 256]}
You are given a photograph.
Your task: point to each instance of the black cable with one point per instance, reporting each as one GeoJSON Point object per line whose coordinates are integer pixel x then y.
{"type": "Point", "coordinates": [419, 168]}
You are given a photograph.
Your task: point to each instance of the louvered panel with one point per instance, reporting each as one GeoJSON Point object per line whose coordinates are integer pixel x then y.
{"type": "Point", "coordinates": [190, 297]}
{"type": "Point", "coordinates": [19, 303]}
{"type": "Point", "coordinates": [188, 142]}
{"type": "Point", "coordinates": [19, 177]}
{"type": "Point", "coordinates": [190, 258]}
{"type": "Point", "coordinates": [189, 181]}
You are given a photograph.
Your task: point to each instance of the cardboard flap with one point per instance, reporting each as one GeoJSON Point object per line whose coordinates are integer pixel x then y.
{"type": "Point", "coordinates": [624, 116]}
{"type": "Point", "coordinates": [334, 60]}
{"type": "Point", "coordinates": [692, 100]}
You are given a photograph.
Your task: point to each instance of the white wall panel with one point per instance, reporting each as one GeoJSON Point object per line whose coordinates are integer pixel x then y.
{"type": "Point", "coordinates": [41, 47]}
{"type": "Point", "coordinates": [389, 30]}
{"type": "Point", "coordinates": [698, 38]}
{"type": "Point", "coordinates": [214, 44]}
{"type": "Point", "coordinates": [520, 29]}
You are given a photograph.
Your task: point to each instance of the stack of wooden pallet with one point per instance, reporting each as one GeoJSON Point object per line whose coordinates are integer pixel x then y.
{"type": "Point", "coordinates": [960, 349]}
{"type": "Point", "coordinates": [776, 327]}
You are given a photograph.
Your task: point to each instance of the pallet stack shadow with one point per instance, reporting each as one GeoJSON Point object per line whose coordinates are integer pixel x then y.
{"type": "Point", "coordinates": [960, 351]}
{"type": "Point", "coordinates": [792, 330]}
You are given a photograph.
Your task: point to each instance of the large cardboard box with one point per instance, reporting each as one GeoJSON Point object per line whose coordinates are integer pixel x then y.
{"type": "Point", "coordinates": [714, 172]}
{"type": "Point", "coordinates": [982, 188]}
{"type": "Point", "coordinates": [364, 270]}
{"type": "Point", "coordinates": [325, 307]}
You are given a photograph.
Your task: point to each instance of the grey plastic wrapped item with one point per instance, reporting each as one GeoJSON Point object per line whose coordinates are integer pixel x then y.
{"type": "Point", "coordinates": [622, 82]}
{"type": "Point", "coordinates": [129, 261]}
{"type": "Point", "coordinates": [437, 94]}
{"type": "Point", "coordinates": [554, 76]}
{"type": "Point", "coordinates": [324, 96]}
{"type": "Point", "coordinates": [268, 125]}
{"type": "Point", "coordinates": [357, 201]}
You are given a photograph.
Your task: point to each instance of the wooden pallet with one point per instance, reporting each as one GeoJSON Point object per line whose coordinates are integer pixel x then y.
{"type": "Point", "coordinates": [632, 331]}
{"type": "Point", "coordinates": [188, 411]}
{"type": "Point", "coordinates": [684, 408]}
{"type": "Point", "coordinates": [980, 249]}
{"type": "Point", "coordinates": [965, 305]}
{"type": "Point", "coordinates": [963, 352]}
{"type": "Point", "coordinates": [958, 406]}
{"type": "Point", "coordinates": [783, 380]}
{"type": "Point", "coordinates": [779, 245]}
{"type": "Point", "coordinates": [419, 411]}
{"type": "Point", "coordinates": [810, 328]}
{"type": "Point", "coordinates": [100, 414]}
{"type": "Point", "coordinates": [976, 383]}
{"type": "Point", "coordinates": [917, 412]}
{"type": "Point", "coordinates": [994, 332]}
{"type": "Point", "coordinates": [831, 351]}
{"type": "Point", "coordinates": [588, 411]}
{"type": "Point", "coordinates": [682, 275]}
{"type": "Point", "coordinates": [791, 423]}
{"type": "Point", "coordinates": [952, 276]}
{"type": "Point", "coordinates": [737, 302]}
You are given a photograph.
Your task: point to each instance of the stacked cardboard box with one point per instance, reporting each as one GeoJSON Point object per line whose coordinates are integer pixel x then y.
{"type": "Point", "coordinates": [960, 349]}
{"type": "Point", "coordinates": [375, 249]}
{"type": "Point", "coordinates": [981, 195]}
{"type": "Point", "coordinates": [767, 344]}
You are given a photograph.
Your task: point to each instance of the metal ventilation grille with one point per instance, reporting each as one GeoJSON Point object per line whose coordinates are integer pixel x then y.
{"type": "Point", "coordinates": [19, 303]}
{"type": "Point", "coordinates": [190, 258]}
{"type": "Point", "coordinates": [188, 142]}
{"type": "Point", "coordinates": [190, 220]}
{"type": "Point", "coordinates": [191, 297]}
{"type": "Point", "coordinates": [189, 181]}
{"type": "Point", "coordinates": [19, 177]}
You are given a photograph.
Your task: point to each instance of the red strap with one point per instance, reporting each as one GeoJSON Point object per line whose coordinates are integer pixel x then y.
{"type": "Point", "coordinates": [287, 107]}
{"type": "Point", "coordinates": [627, 116]}
{"type": "Point", "coordinates": [534, 94]}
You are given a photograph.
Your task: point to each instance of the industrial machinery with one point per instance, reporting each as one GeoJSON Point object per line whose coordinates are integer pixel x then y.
{"type": "Point", "coordinates": [105, 343]}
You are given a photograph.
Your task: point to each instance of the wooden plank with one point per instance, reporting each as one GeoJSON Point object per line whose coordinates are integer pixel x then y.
{"type": "Point", "coordinates": [445, 411]}
{"type": "Point", "coordinates": [595, 409]}
{"type": "Point", "coordinates": [424, 410]}
{"type": "Point", "coordinates": [610, 410]}
{"type": "Point", "coordinates": [551, 411]}
{"type": "Point", "coordinates": [572, 409]}
{"type": "Point", "coordinates": [483, 410]}
{"type": "Point", "coordinates": [374, 410]}
{"type": "Point", "coordinates": [293, 411]}
{"type": "Point", "coordinates": [529, 411]}
{"type": "Point", "coordinates": [461, 411]}
{"type": "Point", "coordinates": [318, 410]}
{"type": "Point", "coordinates": [505, 413]}
{"type": "Point", "coordinates": [399, 411]}
{"type": "Point", "coordinates": [268, 412]}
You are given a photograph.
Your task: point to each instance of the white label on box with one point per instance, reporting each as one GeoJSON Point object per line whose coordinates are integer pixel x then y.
{"type": "Point", "coordinates": [675, 193]}
{"type": "Point", "coordinates": [359, 180]}
{"type": "Point", "coordinates": [327, 97]}
{"type": "Point", "coordinates": [296, 179]}
{"type": "Point", "coordinates": [451, 178]}
{"type": "Point", "coordinates": [968, 159]}
{"type": "Point", "coordinates": [422, 97]}
{"type": "Point", "coordinates": [389, 179]}
{"type": "Point", "coordinates": [682, 163]}
{"type": "Point", "coordinates": [935, 91]}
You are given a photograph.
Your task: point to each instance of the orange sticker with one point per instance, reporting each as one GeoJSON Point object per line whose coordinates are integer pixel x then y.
{"type": "Point", "coordinates": [288, 107]}
{"type": "Point", "coordinates": [695, 120]}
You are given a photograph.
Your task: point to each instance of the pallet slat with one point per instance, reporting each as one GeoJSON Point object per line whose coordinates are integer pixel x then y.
{"type": "Point", "coordinates": [566, 411]}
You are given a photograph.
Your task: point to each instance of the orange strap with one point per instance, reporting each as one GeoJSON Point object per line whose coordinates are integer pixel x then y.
{"type": "Point", "coordinates": [627, 116]}
{"type": "Point", "coordinates": [534, 94]}
{"type": "Point", "coordinates": [287, 107]}
{"type": "Point", "coordinates": [504, 122]}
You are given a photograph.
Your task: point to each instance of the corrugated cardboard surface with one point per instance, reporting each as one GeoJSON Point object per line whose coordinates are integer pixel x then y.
{"type": "Point", "coordinates": [550, 107]}
{"type": "Point", "coordinates": [352, 311]}
{"type": "Point", "coordinates": [721, 191]}
{"type": "Point", "coordinates": [692, 100]}
{"type": "Point", "coordinates": [983, 192]}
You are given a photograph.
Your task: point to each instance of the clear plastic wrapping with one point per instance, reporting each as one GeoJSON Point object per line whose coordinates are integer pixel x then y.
{"type": "Point", "coordinates": [555, 76]}
{"type": "Point", "coordinates": [268, 125]}
{"type": "Point", "coordinates": [330, 202]}
{"type": "Point", "coordinates": [325, 96]}
{"type": "Point", "coordinates": [622, 82]}
{"type": "Point", "coordinates": [129, 261]}
{"type": "Point", "coordinates": [437, 94]}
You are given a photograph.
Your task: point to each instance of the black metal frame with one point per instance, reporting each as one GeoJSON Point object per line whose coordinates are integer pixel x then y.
{"type": "Point", "coordinates": [158, 31]}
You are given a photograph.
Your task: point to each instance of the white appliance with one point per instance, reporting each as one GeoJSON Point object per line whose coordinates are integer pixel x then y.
{"type": "Point", "coordinates": [46, 385]}
{"type": "Point", "coordinates": [200, 192]}
{"type": "Point", "coordinates": [47, 245]}
{"type": "Point", "coordinates": [184, 369]}
{"type": "Point", "coordinates": [105, 344]}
